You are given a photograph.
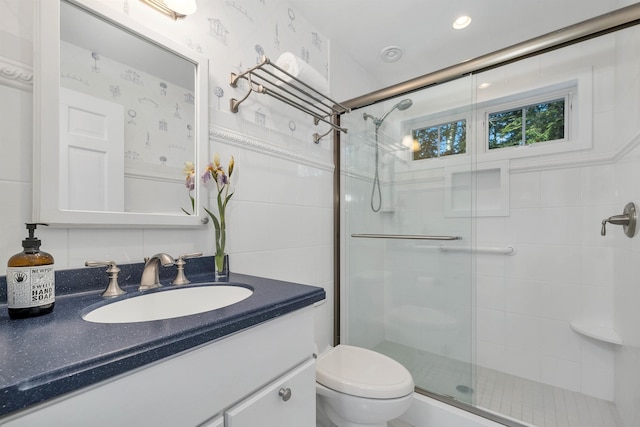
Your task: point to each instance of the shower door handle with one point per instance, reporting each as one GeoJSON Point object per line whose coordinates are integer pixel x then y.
{"type": "Point", "coordinates": [406, 236]}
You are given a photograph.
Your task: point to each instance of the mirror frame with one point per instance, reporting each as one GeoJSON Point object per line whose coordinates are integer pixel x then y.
{"type": "Point", "coordinates": [46, 110]}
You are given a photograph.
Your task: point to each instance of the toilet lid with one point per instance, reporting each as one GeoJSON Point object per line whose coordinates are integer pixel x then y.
{"type": "Point", "coordinates": [364, 373]}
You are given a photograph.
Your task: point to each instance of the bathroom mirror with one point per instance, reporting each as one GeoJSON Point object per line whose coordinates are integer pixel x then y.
{"type": "Point", "coordinates": [118, 111]}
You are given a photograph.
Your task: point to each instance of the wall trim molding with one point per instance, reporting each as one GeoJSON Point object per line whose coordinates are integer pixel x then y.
{"type": "Point", "coordinates": [590, 159]}
{"type": "Point", "coordinates": [262, 146]}
{"type": "Point", "coordinates": [540, 164]}
{"type": "Point", "coordinates": [15, 74]}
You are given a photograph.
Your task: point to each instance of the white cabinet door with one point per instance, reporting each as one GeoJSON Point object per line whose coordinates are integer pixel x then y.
{"type": "Point", "coordinates": [290, 401]}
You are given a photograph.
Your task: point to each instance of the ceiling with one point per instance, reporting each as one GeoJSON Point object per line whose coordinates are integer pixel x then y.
{"type": "Point", "coordinates": [423, 29]}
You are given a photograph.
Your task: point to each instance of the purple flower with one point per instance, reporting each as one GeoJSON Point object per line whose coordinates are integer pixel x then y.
{"type": "Point", "coordinates": [208, 173]}
{"type": "Point", "coordinates": [190, 182]}
{"type": "Point", "coordinates": [222, 178]}
{"type": "Point", "coordinates": [190, 173]}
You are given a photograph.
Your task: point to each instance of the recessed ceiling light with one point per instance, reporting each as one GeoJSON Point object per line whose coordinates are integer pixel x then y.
{"type": "Point", "coordinates": [391, 53]}
{"type": "Point", "coordinates": [462, 22]}
{"type": "Point", "coordinates": [484, 85]}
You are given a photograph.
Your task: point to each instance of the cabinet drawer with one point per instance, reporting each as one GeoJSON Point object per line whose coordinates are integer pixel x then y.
{"type": "Point", "coordinates": [290, 401]}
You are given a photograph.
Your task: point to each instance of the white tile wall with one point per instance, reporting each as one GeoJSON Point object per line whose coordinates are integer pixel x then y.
{"type": "Point", "coordinates": [625, 288]}
{"type": "Point", "coordinates": [563, 270]}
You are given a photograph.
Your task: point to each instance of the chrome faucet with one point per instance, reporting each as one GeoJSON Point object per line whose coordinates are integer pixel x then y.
{"type": "Point", "coordinates": [150, 275]}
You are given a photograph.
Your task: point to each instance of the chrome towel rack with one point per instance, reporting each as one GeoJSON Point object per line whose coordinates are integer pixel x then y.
{"type": "Point", "coordinates": [269, 79]}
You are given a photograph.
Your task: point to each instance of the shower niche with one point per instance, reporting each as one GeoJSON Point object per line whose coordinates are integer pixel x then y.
{"type": "Point", "coordinates": [486, 186]}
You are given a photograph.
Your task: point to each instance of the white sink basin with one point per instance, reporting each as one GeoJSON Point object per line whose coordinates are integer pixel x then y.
{"type": "Point", "coordinates": [176, 302]}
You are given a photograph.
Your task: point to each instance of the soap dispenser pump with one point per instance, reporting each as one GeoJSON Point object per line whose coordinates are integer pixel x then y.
{"type": "Point", "coordinates": [30, 279]}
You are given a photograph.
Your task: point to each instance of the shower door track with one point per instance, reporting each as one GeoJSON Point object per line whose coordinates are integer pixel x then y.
{"type": "Point", "coordinates": [507, 422]}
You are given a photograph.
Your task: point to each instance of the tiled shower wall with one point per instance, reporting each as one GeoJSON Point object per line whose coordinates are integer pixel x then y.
{"type": "Point", "coordinates": [563, 270]}
{"type": "Point", "coordinates": [626, 293]}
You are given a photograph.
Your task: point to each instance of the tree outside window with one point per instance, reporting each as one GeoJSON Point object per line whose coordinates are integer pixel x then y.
{"type": "Point", "coordinates": [440, 140]}
{"type": "Point", "coordinates": [527, 125]}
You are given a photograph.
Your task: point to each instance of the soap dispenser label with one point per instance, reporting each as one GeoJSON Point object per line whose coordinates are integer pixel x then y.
{"type": "Point", "coordinates": [30, 286]}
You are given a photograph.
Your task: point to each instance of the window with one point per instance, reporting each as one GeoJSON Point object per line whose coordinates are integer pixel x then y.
{"type": "Point", "coordinates": [440, 140]}
{"type": "Point", "coordinates": [541, 121]}
{"type": "Point", "coordinates": [530, 124]}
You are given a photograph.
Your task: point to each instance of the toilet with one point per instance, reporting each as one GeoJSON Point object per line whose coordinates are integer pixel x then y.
{"type": "Point", "coordinates": [356, 387]}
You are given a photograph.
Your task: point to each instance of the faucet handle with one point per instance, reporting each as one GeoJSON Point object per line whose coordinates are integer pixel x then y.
{"type": "Point", "coordinates": [627, 220]}
{"type": "Point", "coordinates": [190, 255]}
{"type": "Point", "coordinates": [113, 289]}
{"type": "Point", "coordinates": [181, 279]}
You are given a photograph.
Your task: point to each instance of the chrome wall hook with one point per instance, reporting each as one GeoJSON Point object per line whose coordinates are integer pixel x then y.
{"type": "Point", "coordinates": [627, 220]}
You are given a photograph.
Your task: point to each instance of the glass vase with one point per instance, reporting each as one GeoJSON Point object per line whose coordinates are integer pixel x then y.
{"type": "Point", "coordinates": [222, 265]}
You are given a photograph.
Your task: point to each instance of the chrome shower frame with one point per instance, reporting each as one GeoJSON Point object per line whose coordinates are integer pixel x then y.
{"type": "Point", "coordinates": [608, 23]}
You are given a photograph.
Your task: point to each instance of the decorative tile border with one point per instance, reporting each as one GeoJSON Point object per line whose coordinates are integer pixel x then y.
{"type": "Point", "coordinates": [15, 74]}
{"type": "Point", "coordinates": [248, 142]}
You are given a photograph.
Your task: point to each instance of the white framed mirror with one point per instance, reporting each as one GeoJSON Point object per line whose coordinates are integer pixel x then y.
{"type": "Point", "coordinates": [118, 110]}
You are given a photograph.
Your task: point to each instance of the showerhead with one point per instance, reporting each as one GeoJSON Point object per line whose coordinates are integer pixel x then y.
{"type": "Point", "coordinates": [402, 105]}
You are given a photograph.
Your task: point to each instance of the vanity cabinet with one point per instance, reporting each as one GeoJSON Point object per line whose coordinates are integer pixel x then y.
{"type": "Point", "coordinates": [235, 381]}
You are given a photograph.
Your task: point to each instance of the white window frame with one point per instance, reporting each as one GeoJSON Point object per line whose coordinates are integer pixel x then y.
{"type": "Point", "coordinates": [436, 120]}
{"type": "Point", "coordinates": [578, 120]}
{"type": "Point", "coordinates": [566, 96]}
{"type": "Point", "coordinates": [578, 92]}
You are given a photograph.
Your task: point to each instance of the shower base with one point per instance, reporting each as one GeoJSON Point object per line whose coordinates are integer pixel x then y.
{"type": "Point", "coordinates": [525, 401]}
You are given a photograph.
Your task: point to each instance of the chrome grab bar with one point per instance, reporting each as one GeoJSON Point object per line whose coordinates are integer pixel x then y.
{"type": "Point", "coordinates": [508, 250]}
{"type": "Point", "coordinates": [406, 236]}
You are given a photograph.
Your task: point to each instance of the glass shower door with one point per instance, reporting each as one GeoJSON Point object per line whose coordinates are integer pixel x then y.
{"type": "Point", "coordinates": [406, 225]}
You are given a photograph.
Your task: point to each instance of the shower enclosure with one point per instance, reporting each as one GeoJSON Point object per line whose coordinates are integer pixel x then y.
{"type": "Point", "coordinates": [471, 250]}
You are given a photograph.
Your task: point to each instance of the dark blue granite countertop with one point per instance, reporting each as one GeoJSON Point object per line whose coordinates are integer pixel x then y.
{"type": "Point", "coordinates": [47, 356]}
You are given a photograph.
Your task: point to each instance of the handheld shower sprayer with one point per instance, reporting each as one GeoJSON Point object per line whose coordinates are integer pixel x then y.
{"type": "Point", "coordinates": [401, 106]}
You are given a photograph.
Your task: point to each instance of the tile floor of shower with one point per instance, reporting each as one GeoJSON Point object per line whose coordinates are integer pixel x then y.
{"type": "Point", "coordinates": [525, 401]}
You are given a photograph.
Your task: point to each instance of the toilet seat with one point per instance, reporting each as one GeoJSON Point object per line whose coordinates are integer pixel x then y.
{"type": "Point", "coordinates": [363, 373]}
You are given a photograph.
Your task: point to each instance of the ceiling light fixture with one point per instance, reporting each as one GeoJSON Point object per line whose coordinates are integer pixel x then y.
{"type": "Point", "coordinates": [175, 9]}
{"type": "Point", "coordinates": [391, 54]}
{"type": "Point", "coordinates": [462, 22]}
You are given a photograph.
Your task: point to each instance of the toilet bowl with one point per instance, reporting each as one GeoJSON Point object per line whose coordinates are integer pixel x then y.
{"type": "Point", "coordinates": [357, 387]}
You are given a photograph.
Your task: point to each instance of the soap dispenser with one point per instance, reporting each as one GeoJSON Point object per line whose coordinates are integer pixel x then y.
{"type": "Point", "coordinates": [30, 279]}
